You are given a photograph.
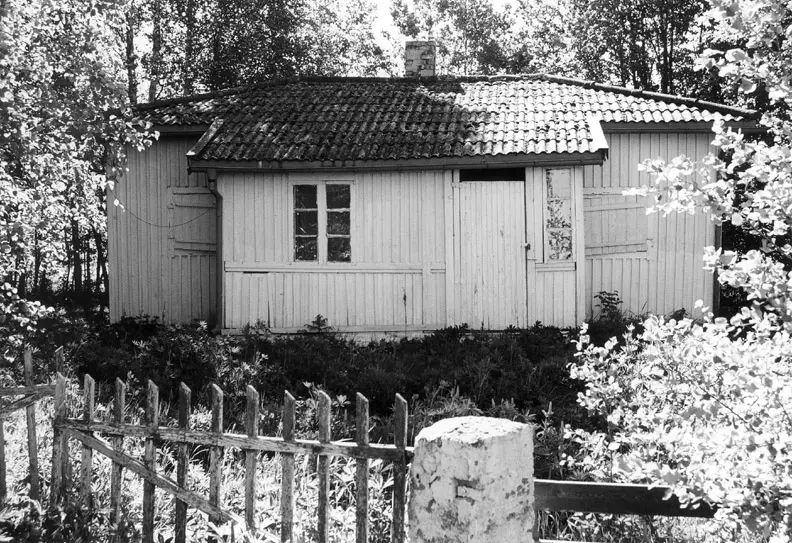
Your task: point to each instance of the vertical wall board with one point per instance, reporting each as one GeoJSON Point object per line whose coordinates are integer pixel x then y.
{"type": "Point", "coordinates": [668, 273]}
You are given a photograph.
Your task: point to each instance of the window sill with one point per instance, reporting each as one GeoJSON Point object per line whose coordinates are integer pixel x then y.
{"type": "Point", "coordinates": [334, 267]}
{"type": "Point", "coordinates": [565, 265]}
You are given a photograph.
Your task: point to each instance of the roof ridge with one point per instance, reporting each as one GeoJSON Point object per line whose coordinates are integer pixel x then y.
{"type": "Point", "coordinates": [684, 100]}
{"type": "Point", "coordinates": [329, 79]}
{"type": "Point", "coordinates": [586, 84]}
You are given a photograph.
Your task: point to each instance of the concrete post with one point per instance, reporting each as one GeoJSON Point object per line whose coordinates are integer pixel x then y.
{"type": "Point", "coordinates": [472, 481]}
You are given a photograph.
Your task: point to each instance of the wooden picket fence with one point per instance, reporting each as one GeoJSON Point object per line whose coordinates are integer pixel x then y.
{"type": "Point", "coordinates": [252, 444]}
{"type": "Point", "coordinates": [549, 495]}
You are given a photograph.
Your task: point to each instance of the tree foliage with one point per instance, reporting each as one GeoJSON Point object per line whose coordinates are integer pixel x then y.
{"type": "Point", "coordinates": [226, 43]}
{"type": "Point", "coordinates": [473, 37]}
{"type": "Point", "coordinates": [57, 87]}
{"type": "Point", "coordinates": [705, 406]}
{"type": "Point", "coordinates": [636, 43]}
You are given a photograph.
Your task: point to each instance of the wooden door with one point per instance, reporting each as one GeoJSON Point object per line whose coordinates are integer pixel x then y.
{"type": "Point", "coordinates": [556, 259]}
{"type": "Point", "coordinates": [490, 259]}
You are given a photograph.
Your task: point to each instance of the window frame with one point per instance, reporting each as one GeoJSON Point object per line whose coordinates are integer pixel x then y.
{"type": "Point", "coordinates": [322, 235]}
{"type": "Point", "coordinates": [545, 216]}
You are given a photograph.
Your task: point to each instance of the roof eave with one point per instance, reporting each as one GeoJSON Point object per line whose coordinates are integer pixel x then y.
{"type": "Point", "coordinates": [180, 129]}
{"type": "Point", "coordinates": [490, 161]}
{"type": "Point", "coordinates": [680, 126]}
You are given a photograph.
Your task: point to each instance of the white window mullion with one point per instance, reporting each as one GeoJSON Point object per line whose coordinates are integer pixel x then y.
{"type": "Point", "coordinates": [321, 203]}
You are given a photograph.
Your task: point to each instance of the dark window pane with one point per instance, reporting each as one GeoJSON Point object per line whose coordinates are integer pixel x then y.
{"type": "Point", "coordinates": [337, 196]}
{"type": "Point", "coordinates": [305, 249]}
{"type": "Point", "coordinates": [339, 250]}
{"type": "Point", "coordinates": [493, 174]}
{"type": "Point", "coordinates": [338, 223]}
{"type": "Point", "coordinates": [306, 223]}
{"type": "Point", "coordinates": [305, 196]}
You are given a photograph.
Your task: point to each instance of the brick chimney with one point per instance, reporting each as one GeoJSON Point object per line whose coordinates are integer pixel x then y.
{"type": "Point", "coordinates": [419, 59]}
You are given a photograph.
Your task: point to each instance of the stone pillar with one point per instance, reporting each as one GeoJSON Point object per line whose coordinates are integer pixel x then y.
{"type": "Point", "coordinates": [472, 481]}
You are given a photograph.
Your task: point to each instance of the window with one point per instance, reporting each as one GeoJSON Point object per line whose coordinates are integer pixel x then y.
{"type": "Point", "coordinates": [558, 215]}
{"type": "Point", "coordinates": [322, 222]}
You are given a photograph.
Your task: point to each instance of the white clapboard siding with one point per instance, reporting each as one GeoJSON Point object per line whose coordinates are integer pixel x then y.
{"type": "Point", "coordinates": [290, 300]}
{"type": "Point", "coordinates": [489, 255]}
{"type": "Point", "coordinates": [396, 278]}
{"type": "Point", "coordinates": [606, 216]}
{"type": "Point", "coordinates": [156, 267]}
{"type": "Point", "coordinates": [664, 273]}
{"type": "Point", "coordinates": [556, 294]}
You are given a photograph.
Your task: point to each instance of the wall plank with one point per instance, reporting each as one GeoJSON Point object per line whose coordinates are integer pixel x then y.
{"type": "Point", "coordinates": [668, 275]}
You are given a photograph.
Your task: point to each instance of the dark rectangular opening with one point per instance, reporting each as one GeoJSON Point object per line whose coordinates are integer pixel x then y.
{"type": "Point", "coordinates": [492, 174]}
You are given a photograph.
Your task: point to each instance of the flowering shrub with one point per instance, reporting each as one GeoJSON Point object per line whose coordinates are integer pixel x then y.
{"type": "Point", "coordinates": [689, 406]}
{"type": "Point", "coordinates": [706, 407]}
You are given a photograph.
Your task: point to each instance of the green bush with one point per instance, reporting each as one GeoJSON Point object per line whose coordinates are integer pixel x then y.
{"type": "Point", "coordinates": [524, 367]}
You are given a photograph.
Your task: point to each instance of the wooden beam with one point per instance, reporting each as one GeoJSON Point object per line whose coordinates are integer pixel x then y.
{"type": "Point", "coordinates": [60, 443]}
{"type": "Point", "coordinates": [150, 461]}
{"type": "Point", "coordinates": [287, 463]}
{"type": "Point", "coordinates": [182, 466]}
{"type": "Point", "coordinates": [216, 453]}
{"type": "Point", "coordinates": [30, 412]}
{"type": "Point", "coordinates": [262, 443]}
{"type": "Point", "coordinates": [613, 498]}
{"type": "Point", "coordinates": [86, 462]}
{"type": "Point", "coordinates": [116, 471]}
{"type": "Point", "coordinates": [400, 421]}
{"type": "Point", "coordinates": [361, 470]}
{"type": "Point", "coordinates": [21, 391]}
{"type": "Point", "coordinates": [252, 427]}
{"type": "Point", "coordinates": [151, 477]}
{"type": "Point", "coordinates": [28, 400]}
{"type": "Point", "coordinates": [323, 470]}
{"type": "Point", "coordinates": [514, 160]}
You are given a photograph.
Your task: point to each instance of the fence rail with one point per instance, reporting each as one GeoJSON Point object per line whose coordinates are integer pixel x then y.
{"type": "Point", "coordinates": [107, 437]}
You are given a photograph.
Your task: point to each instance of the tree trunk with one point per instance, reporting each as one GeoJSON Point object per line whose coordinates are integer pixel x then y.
{"type": "Point", "coordinates": [131, 57]}
{"type": "Point", "coordinates": [189, 48]}
{"type": "Point", "coordinates": [155, 66]}
{"type": "Point", "coordinates": [36, 260]}
{"type": "Point", "coordinates": [76, 258]}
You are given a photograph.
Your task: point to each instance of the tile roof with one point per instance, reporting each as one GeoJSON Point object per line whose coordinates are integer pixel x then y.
{"type": "Point", "coordinates": [361, 119]}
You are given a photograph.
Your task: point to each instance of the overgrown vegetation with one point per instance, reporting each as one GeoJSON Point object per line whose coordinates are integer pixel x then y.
{"type": "Point", "coordinates": [523, 369]}
{"type": "Point", "coordinates": [519, 374]}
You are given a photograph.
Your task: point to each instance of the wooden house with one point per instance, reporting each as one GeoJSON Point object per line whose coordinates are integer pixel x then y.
{"type": "Point", "coordinates": [404, 205]}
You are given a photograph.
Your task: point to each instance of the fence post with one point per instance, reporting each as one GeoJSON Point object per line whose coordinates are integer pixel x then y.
{"type": "Point", "coordinates": [116, 472]}
{"type": "Point", "coordinates": [150, 460]}
{"type": "Point", "coordinates": [60, 444]}
{"type": "Point", "coordinates": [31, 428]}
{"type": "Point", "coordinates": [86, 463]}
{"type": "Point", "coordinates": [471, 481]}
